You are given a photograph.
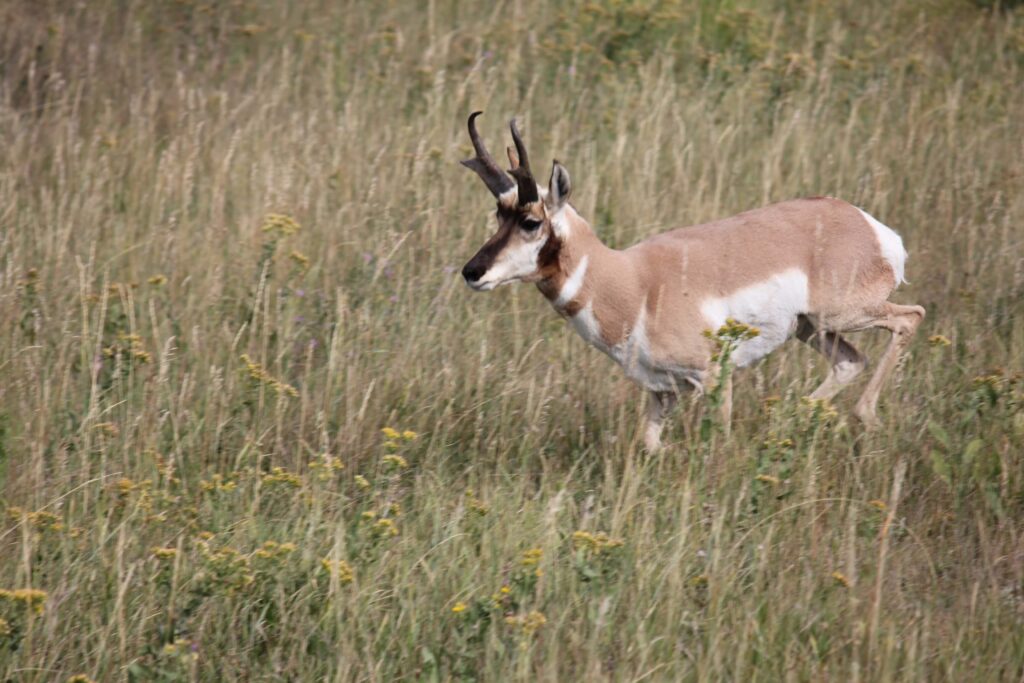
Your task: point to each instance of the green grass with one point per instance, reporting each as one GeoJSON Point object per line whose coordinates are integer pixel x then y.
{"type": "Point", "coordinates": [145, 465]}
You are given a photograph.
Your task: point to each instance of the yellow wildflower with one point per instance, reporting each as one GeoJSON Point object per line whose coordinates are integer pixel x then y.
{"type": "Point", "coordinates": [937, 340]}
{"type": "Point", "coordinates": [993, 381]}
{"type": "Point", "coordinates": [459, 607]}
{"type": "Point", "coordinates": [595, 543]}
{"type": "Point", "coordinates": [281, 476]}
{"type": "Point", "coordinates": [409, 435]}
{"type": "Point", "coordinates": [880, 504]}
{"type": "Point", "coordinates": [841, 579]}
{"type": "Point", "coordinates": [385, 527]}
{"type": "Point", "coordinates": [821, 408]}
{"type": "Point", "coordinates": [252, 30]}
{"type": "Point", "coordinates": [532, 557]}
{"type": "Point", "coordinates": [768, 479]}
{"type": "Point", "coordinates": [361, 482]}
{"type": "Point", "coordinates": [178, 646]}
{"type": "Point", "coordinates": [529, 623]}
{"type": "Point", "coordinates": [157, 280]}
{"type": "Point", "coordinates": [340, 569]}
{"type": "Point", "coordinates": [5, 627]}
{"type": "Point", "coordinates": [226, 567]}
{"type": "Point", "coordinates": [163, 553]}
{"type": "Point", "coordinates": [273, 550]}
{"type": "Point", "coordinates": [106, 429]}
{"type": "Point", "coordinates": [390, 433]}
{"type": "Point", "coordinates": [281, 224]}
{"type": "Point", "coordinates": [261, 376]}
{"type": "Point", "coordinates": [30, 598]}
{"type": "Point", "coordinates": [475, 504]}
{"type": "Point", "coordinates": [40, 519]}
{"type": "Point", "coordinates": [729, 334]}
{"type": "Point", "coordinates": [217, 483]}
{"type": "Point", "coordinates": [300, 259]}
{"type": "Point", "coordinates": [327, 465]}
{"type": "Point", "coordinates": [396, 461]}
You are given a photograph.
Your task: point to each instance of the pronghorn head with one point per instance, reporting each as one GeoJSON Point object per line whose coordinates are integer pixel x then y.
{"type": "Point", "coordinates": [527, 216]}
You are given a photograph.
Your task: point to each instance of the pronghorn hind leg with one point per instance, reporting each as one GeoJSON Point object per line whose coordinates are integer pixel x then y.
{"type": "Point", "coordinates": [902, 322]}
{"type": "Point", "coordinates": [846, 362]}
{"type": "Point", "coordinates": [659, 405]}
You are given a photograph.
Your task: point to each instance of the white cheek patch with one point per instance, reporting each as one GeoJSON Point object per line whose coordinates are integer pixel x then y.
{"type": "Point", "coordinates": [772, 306]}
{"type": "Point", "coordinates": [513, 264]}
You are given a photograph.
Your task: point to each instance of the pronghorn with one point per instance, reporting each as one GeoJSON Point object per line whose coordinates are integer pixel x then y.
{"type": "Point", "coordinates": [814, 268]}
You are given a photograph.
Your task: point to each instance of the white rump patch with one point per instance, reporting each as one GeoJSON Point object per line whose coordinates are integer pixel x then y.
{"type": "Point", "coordinates": [891, 245]}
{"type": "Point", "coordinates": [572, 286]}
{"type": "Point", "coordinates": [772, 306]}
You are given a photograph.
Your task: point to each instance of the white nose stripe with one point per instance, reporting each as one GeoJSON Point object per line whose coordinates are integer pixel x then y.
{"type": "Point", "coordinates": [572, 286]}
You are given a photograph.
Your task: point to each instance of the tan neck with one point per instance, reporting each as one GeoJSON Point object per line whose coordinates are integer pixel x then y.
{"type": "Point", "coordinates": [572, 264]}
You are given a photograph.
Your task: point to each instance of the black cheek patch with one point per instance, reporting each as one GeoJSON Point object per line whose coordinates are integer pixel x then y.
{"type": "Point", "coordinates": [484, 259]}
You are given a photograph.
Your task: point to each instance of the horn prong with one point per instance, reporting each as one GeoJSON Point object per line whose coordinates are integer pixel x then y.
{"type": "Point", "coordinates": [524, 159]}
{"type": "Point", "coordinates": [521, 172]}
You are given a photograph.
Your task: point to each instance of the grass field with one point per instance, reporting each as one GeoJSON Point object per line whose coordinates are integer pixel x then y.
{"type": "Point", "coordinates": [253, 426]}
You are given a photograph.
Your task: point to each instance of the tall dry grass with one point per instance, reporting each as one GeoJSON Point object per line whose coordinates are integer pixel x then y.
{"type": "Point", "coordinates": [191, 514]}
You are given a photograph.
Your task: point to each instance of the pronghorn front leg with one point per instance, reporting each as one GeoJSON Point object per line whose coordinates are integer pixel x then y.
{"type": "Point", "coordinates": [659, 406]}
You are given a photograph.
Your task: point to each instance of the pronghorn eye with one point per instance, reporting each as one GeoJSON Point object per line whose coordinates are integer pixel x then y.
{"type": "Point", "coordinates": [531, 224]}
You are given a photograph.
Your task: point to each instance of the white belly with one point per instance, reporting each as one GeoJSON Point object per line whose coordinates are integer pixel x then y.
{"type": "Point", "coordinates": [772, 306]}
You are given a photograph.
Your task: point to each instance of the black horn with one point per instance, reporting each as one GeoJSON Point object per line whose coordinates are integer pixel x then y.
{"type": "Point", "coordinates": [522, 174]}
{"type": "Point", "coordinates": [483, 163]}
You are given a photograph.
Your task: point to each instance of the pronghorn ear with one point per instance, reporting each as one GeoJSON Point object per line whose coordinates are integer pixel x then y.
{"type": "Point", "coordinates": [559, 187]}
